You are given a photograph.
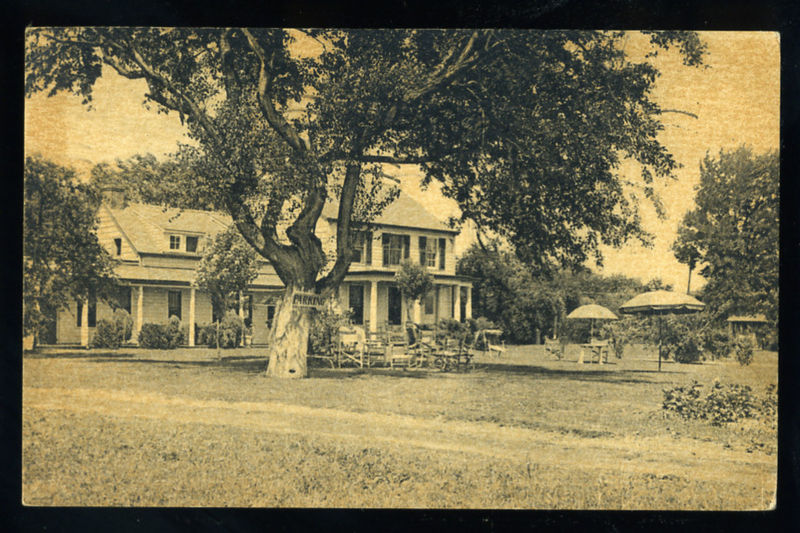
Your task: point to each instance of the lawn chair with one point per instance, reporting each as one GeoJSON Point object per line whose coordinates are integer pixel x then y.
{"type": "Point", "coordinates": [490, 342]}
{"type": "Point", "coordinates": [376, 349]}
{"type": "Point", "coordinates": [553, 348]}
{"type": "Point", "coordinates": [351, 346]}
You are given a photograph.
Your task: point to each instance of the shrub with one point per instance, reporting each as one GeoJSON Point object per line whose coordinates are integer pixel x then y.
{"type": "Point", "coordinates": [717, 342]}
{"type": "Point", "coordinates": [124, 323]}
{"type": "Point", "coordinates": [324, 328]}
{"type": "Point", "coordinates": [722, 404]}
{"type": "Point", "coordinates": [107, 335]}
{"type": "Point", "coordinates": [623, 332]}
{"type": "Point", "coordinates": [743, 347]}
{"type": "Point", "coordinates": [205, 335]}
{"type": "Point", "coordinates": [231, 330]}
{"type": "Point", "coordinates": [175, 333]}
{"type": "Point", "coordinates": [154, 336]}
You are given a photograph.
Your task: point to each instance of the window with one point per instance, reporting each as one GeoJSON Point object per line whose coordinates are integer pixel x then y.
{"type": "Point", "coordinates": [427, 252]}
{"type": "Point", "coordinates": [174, 304]}
{"type": "Point", "coordinates": [174, 242]}
{"type": "Point", "coordinates": [270, 315]}
{"type": "Point", "coordinates": [118, 246]}
{"type": "Point", "coordinates": [429, 303]}
{"type": "Point", "coordinates": [191, 244]}
{"type": "Point", "coordinates": [395, 248]}
{"type": "Point", "coordinates": [363, 248]}
{"type": "Point", "coordinates": [442, 250]}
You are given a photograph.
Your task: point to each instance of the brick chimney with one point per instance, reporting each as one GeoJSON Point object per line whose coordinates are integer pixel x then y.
{"type": "Point", "coordinates": [113, 196]}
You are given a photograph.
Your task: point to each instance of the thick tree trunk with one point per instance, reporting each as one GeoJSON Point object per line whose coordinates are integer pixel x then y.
{"type": "Point", "coordinates": [289, 340]}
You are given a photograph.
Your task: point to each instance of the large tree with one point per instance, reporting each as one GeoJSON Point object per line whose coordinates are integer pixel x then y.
{"type": "Point", "coordinates": [524, 129]}
{"type": "Point", "coordinates": [733, 233]}
{"type": "Point", "coordinates": [61, 256]}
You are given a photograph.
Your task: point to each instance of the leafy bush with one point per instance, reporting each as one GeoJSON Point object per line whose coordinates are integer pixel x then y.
{"type": "Point", "coordinates": [106, 335]}
{"type": "Point", "coordinates": [717, 342]}
{"type": "Point", "coordinates": [722, 404]}
{"type": "Point", "coordinates": [205, 335]}
{"type": "Point", "coordinates": [622, 332]}
{"type": "Point", "coordinates": [162, 337]}
{"type": "Point", "coordinates": [231, 329]}
{"type": "Point", "coordinates": [114, 332]}
{"type": "Point", "coordinates": [324, 328]}
{"type": "Point", "coordinates": [154, 336]}
{"type": "Point", "coordinates": [124, 323]}
{"type": "Point", "coordinates": [743, 347]}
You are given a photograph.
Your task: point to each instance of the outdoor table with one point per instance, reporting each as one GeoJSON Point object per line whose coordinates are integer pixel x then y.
{"type": "Point", "coordinates": [598, 349]}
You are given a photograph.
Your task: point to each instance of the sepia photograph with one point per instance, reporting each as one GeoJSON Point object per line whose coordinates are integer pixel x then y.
{"type": "Point", "coordinates": [400, 268]}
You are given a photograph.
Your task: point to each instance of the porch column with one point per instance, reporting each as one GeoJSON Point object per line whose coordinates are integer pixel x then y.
{"type": "Point", "coordinates": [436, 305]}
{"type": "Point", "coordinates": [191, 315]}
{"type": "Point", "coordinates": [241, 315]}
{"type": "Point", "coordinates": [139, 310]}
{"type": "Point", "coordinates": [457, 303]}
{"type": "Point", "coordinates": [85, 323]}
{"type": "Point", "coordinates": [468, 309]}
{"type": "Point", "coordinates": [373, 306]}
{"type": "Point", "coordinates": [417, 312]}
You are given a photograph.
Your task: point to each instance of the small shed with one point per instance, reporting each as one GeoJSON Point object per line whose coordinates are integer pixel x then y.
{"type": "Point", "coordinates": [745, 324]}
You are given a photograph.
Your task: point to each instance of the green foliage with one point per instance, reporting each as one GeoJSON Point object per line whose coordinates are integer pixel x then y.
{"type": "Point", "coordinates": [161, 336]}
{"type": "Point", "coordinates": [623, 332]}
{"type": "Point", "coordinates": [145, 179]}
{"type": "Point", "coordinates": [722, 404]}
{"type": "Point", "coordinates": [231, 330]}
{"type": "Point", "coordinates": [743, 347]}
{"type": "Point", "coordinates": [113, 333]}
{"type": "Point", "coordinates": [106, 335]}
{"type": "Point", "coordinates": [681, 337]}
{"type": "Point", "coordinates": [733, 233]}
{"type": "Point", "coordinates": [415, 281]}
{"type": "Point", "coordinates": [538, 122]}
{"type": "Point", "coordinates": [716, 341]}
{"type": "Point", "coordinates": [124, 323]}
{"type": "Point", "coordinates": [228, 266]}
{"type": "Point", "coordinates": [62, 258]}
{"type": "Point", "coordinates": [325, 327]}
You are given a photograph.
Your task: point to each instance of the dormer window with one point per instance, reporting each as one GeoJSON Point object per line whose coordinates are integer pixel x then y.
{"type": "Point", "coordinates": [118, 246]}
{"type": "Point", "coordinates": [191, 244]}
{"type": "Point", "coordinates": [174, 242]}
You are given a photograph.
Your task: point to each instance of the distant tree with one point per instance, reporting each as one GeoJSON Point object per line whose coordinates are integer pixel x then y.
{"type": "Point", "coordinates": [228, 266]}
{"type": "Point", "coordinates": [415, 282]}
{"type": "Point", "coordinates": [145, 179]}
{"type": "Point", "coordinates": [62, 258]}
{"type": "Point", "coordinates": [526, 130]}
{"type": "Point", "coordinates": [657, 284]}
{"type": "Point", "coordinates": [733, 233]}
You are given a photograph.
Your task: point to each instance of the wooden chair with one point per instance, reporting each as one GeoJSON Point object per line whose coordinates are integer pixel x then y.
{"type": "Point", "coordinates": [554, 348]}
{"type": "Point", "coordinates": [351, 346]}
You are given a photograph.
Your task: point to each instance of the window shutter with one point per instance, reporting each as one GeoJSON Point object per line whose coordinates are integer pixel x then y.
{"type": "Point", "coordinates": [368, 239]}
{"type": "Point", "coordinates": [406, 246]}
{"type": "Point", "coordinates": [423, 245]}
{"type": "Point", "coordinates": [442, 252]}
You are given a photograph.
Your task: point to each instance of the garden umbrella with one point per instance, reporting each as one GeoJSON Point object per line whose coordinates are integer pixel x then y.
{"type": "Point", "coordinates": [659, 303]}
{"type": "Point", "coordinates": [592, 312]}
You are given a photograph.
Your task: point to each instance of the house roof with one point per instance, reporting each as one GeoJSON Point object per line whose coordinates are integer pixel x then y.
{"type": "Point", "coordinates": [755, 319]}
{"type": "Point", "coordinates": [145, 225]}
{"type": "Point", "coordinates": [404, 212]}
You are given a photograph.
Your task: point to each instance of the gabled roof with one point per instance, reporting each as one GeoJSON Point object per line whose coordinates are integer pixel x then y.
{"type": "Point", "coordinates": [145, 225]}
{"type": "Point", "coordinates": [403, 212]}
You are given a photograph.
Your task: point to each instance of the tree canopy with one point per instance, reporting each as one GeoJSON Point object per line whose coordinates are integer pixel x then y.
{"type": "Point", "coordinates": [62, 258]}
{"type": "Point", "coordinates": [229, 265]}
{"type": "Point", "coordinates": [524, 129]}
{"type": "Point", "coordinates": [733, 233]}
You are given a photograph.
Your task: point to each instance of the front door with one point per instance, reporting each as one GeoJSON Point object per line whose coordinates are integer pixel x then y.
{"type": "Point", "coordinates": [357, 304]}
{"type": "Point", "coordinates": [395, 306]}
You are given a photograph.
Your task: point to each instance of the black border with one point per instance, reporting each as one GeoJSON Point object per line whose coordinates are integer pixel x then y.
{"type": "Point", "coordinates": [766, 15]}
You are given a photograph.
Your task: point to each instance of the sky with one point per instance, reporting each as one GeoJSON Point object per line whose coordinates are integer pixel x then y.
{"type": "Point", "coordinates": [735, 96]}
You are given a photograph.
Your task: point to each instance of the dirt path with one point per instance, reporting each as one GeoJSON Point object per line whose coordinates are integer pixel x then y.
{"type": "Point", "coordinates": [686, 458]}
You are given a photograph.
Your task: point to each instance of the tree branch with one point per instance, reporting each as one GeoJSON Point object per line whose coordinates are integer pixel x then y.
{"type": "Point", "coordinates": [277, 121]}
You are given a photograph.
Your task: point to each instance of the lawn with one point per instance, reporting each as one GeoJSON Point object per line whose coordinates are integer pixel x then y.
{"type": "Point", "coordinates": [137, 427]}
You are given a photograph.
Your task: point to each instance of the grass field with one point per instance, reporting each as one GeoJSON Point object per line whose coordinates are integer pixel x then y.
{"type": "Point", "coordinates": [153, 428]}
